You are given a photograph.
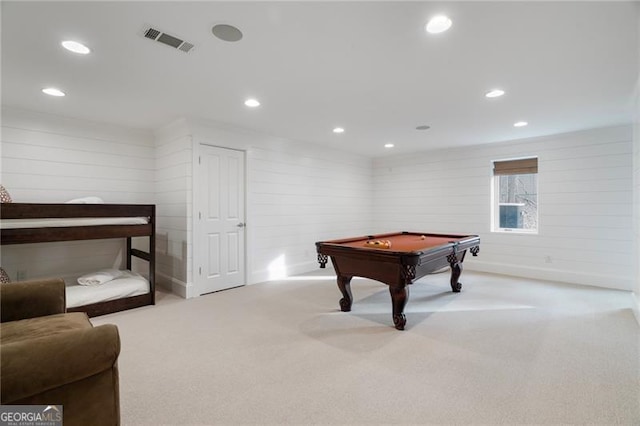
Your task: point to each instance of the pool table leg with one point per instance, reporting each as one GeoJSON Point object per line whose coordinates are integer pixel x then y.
{"type": "Point", "coordinates": [456, 270]}
{"type": "Point", "coordinates": [344, 284]}
{"type": "Point", "coordinates": [399, 298]}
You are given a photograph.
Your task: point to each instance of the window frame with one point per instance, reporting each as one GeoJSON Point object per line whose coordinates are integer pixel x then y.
{"type": "Point", "coordinates": [495, 197]}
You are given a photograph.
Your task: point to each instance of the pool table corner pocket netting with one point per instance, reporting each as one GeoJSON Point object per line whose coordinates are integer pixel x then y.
{"type": "Point", "coordinates": [409, 257]}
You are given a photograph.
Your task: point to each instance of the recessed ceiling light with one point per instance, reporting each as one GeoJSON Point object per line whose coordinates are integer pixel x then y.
{"type": "Point", "coordinates": [423, 127]}
{"type": "Point", "coordinates": [226, 32]}
{"type": "Point", "coordinates": [495, 93]}
{"type": "Point", "coordinates": [75, 47]}
{"type": "Point", "coordinates": [438, 24]}
{"type": "Point", "coordinates": [389, 145]}
{"type": "Point", "coordinates": [52, 91]}
{"type": "Point", "coordinates": [338, 130]}
{"type": "Point", "coordinates": [252, 103]}
{"type": "Point", "coordinates": [520, 124]}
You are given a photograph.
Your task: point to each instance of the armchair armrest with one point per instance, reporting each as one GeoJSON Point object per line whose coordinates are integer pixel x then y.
{"type": "Point", "coordinates": [30, 367]}
{"type": "Point", "coordinates": [30, 299]}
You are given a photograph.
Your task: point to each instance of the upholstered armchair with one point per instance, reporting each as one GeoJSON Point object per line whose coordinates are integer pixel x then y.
{"type": "Point", "coordinates": [50, 357]}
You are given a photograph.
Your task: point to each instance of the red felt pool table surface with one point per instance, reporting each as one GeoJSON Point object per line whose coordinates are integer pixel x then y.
{"type": "Point", "coordinates": [409, 242]}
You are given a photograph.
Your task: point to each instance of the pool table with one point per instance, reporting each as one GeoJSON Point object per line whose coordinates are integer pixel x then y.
{"type": "Point", "coordinates": [396, 259]}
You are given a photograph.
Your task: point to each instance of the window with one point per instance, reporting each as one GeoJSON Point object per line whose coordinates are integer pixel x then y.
{"type": "Point", "coordinates": [515, 195]}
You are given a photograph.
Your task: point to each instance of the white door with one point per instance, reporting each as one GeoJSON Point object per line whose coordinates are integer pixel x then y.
{"type": "Point", "coordinates": [219, 219]}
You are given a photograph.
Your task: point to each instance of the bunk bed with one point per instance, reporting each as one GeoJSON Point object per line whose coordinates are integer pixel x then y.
{"type": "Point", "coordinates": [24, 223]}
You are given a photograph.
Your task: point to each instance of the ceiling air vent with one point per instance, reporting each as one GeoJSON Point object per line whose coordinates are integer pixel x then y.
{"type": "Point", "coordinates": [169, 40]}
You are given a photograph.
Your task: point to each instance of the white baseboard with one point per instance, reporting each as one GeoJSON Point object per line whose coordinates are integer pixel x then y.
{"type": "Point", "coordinates": [572, 277]}
{"type": "Point", "coordinates": [176, 286]}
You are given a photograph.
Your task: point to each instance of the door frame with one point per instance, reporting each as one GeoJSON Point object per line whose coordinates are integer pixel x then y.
{"type": "Point", "coordinates": [196, 144]}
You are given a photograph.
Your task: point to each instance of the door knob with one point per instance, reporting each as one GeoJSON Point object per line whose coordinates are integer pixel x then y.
{"type": "Point", "coordinates": [241, 225]}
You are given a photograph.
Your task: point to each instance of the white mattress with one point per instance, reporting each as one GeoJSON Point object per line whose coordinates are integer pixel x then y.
{"type": "Point", "coordinates": [131, 284]}
{"type": "Point", "coordinates": [51, 223]}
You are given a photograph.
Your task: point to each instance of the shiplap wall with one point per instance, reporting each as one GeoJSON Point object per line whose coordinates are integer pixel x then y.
{"type": "Point", "coordinates": [297, 194]}
{"type": "Point", "coordinates": [173, 207]}
{"type": "Point", "coordinates": [585, 205]}
{"type": "Point", "coordinates": [51, 159]}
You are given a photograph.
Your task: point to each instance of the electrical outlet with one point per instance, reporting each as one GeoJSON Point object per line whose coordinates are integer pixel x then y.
{"type": "Point", "coordinates": [21, 275]}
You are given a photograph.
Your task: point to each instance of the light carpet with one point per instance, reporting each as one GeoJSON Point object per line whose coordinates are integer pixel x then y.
{"type": "Point", "coordinates": [503, 351]}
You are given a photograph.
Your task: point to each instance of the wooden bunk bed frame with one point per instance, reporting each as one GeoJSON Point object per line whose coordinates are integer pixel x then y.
{"type": "Point", "coordinates": [75, 233]}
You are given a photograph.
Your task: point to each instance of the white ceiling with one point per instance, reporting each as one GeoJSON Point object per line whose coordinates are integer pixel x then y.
{"type": "Point", "coordinates": [366, 66]}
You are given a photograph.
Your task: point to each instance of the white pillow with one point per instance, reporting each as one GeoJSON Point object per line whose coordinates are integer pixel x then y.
{"type": "Point", "coordinates": [86, 200]}
{"type": "Point", "coordinates": [100, 277]}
